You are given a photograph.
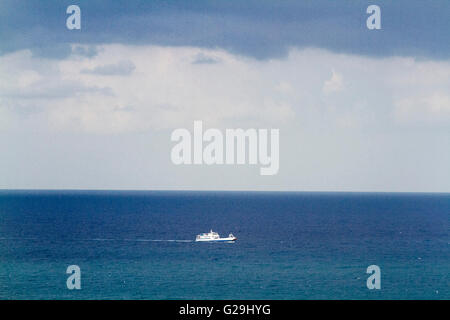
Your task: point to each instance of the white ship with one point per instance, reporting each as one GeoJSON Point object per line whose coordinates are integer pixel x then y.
{"type": "Point", "coordinates": [214, 237]}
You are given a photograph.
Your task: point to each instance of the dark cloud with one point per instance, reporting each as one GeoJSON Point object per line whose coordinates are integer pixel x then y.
{"type": "Point", "coordinates": [257, 28]}
{"type": "Point", "coordinates": [57, 51]}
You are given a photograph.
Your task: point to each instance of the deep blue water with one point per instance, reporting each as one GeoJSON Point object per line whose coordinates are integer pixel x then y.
{"type": "Point", "coordinates": [290, 245]}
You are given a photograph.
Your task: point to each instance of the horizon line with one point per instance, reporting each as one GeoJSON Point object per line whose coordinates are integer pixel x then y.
{"type": "Point", "coordinates": [221, 190]}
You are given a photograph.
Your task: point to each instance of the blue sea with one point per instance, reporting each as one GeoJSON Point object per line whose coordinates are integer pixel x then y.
{"type": "Point", "coordinates": [139, 245]}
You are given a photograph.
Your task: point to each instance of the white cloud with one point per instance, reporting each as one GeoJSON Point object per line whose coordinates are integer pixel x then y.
{"type": "Point", "coordinates": [334, 84]}
{"type": "Point", "coordinates": [433, 108]}
{"type": "Point", "coordinates": [161, 88]}
{"type": "Point", "coordinates": [342, 118]}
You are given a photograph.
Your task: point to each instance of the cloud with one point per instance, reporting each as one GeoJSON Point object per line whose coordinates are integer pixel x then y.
{"type": "Point", "coordinates": [432, 108]}
{"type": "Point", "coordinates": [54, 51]}
{"type": "Point", "coordinates": [334, 84]}
{"type": "Point", "coordinates": [121, 68]}
{"type": "Point", "coordinates": [258, 29]}
{"type": "Point", "coordinates": [167, 91]}
{"type": "Point", "coordinates": [108, 131]}
{"type": "Point", "coordinates": [84, 51]}
{"type": "Point", "coordinates": [39, 90]}
{"type": "Point", "coordinates": [202, 58]}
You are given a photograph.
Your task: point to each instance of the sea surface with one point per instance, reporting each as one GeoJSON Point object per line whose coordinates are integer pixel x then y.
{"type": "Point", "coordinates": [139, 245]}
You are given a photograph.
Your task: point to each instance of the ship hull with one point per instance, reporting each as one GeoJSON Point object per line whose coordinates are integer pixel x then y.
{"type": "Point", "coordinates": [217, 240]}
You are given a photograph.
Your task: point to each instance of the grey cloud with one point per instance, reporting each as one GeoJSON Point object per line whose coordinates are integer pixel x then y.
{"type": "Point", "coordinates": [55, 91]}
{"type": "Point", "coordinates": [202, 58]}
{"type": "Point", "coordinates": [122, 68]}
{"type": "Point", "coordinates": [56, 51]}
{"type": "Point", "coordinates": [62, 51]}
{"type": "Point", "coordinates": [89, 51]}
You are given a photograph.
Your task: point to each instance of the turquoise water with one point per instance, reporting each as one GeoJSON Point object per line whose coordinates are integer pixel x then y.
{"type": "Point", "coordinates": [138, 245]}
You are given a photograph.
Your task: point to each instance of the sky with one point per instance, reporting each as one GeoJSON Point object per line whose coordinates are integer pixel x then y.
{"type": "Point", "coordinates": [357, 109]}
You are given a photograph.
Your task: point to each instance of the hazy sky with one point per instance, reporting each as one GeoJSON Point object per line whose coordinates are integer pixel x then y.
{"type": "Point", "coordinates": [357, 109]}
